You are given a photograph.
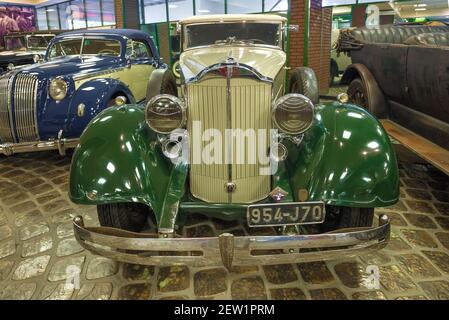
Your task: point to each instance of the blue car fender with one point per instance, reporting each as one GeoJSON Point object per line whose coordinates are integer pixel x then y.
{"type": "Point", "coordinates": [89, 100]}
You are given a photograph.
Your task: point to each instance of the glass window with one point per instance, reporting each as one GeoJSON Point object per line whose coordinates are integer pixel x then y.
{"type": "Point", "coordinates": [53, 18]}
{"type": "Point", "coordinates": [107, 6]}
{"type": "Point", "coordinates": [65, 16]}
{"type": "Point", "coordinates": [209, 7]}
{"type": "Point", "coordinates": [179, 9]}
{"type": "Point", "coordinates": [38, 42]}
{"type": "Point", "coordinates": [276, 5]}
{"type": "Point", "coordinates": [155, 11]}
{"type": "Point", "coordinates": [223, 33]}
{"type": "Point", "coordinates": [42, 19]}
{"type": "Point", "coordinates": [78, 15]}
{"type": "Point", "coordinates": [141, 50]}
{"type": "Point", "coordinates": [93, 12]}
{"type": "Point", "coordinates": [72, 47]}
{"type": "Point", "coordinates": [15, 43]}
{"type": "Point", "coordinates": [103, 47]}
{"type": "Point", "coordinates": [238, 6]}
{"type": "Point", "coordinates": [65, 48]}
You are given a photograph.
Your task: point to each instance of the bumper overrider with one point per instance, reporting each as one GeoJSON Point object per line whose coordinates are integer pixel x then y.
{"type": "Point", "coordinates": [229, 250]}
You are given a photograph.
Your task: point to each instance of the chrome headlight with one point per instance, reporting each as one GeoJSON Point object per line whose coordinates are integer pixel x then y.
{"type": "Point", "coordinates": [58, 89]}
{"type": "Point", "coordinates": [165, 113]}
{"type": "Point", "coordinates": [11, 66]}
{"type": "Point", "coordinates": [293, 114]}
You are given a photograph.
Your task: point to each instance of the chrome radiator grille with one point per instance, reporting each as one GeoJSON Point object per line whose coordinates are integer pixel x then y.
{"type": "Point", "coordinates": [250, 104]}
{"type": "Point", "coordinates": [6, 135]}
{"type": "Point", "coordinates": [18, 99]}
{"type": "Point", "coordinates": [25, 98]}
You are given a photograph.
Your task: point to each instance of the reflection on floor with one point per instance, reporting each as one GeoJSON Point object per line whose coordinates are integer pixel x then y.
{"type": "Point", "coordinates": [37, 246]}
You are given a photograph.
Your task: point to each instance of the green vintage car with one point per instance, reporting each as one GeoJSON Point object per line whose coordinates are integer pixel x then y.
{"type": "Point", "coordinates": [239, 143]}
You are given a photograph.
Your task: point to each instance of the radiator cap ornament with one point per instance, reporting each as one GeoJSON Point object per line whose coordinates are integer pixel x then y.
{"type": "Point", "coordinates": [230, 187]}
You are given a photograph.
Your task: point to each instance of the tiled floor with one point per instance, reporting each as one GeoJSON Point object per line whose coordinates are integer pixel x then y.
{"type": "Point", "coordinates": [37, 247]}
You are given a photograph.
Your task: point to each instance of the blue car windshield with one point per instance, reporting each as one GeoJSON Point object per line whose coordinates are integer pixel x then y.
{"type": "Point", "coordinates": [75, 47]}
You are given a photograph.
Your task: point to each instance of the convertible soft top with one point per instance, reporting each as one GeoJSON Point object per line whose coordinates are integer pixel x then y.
{"type": "Point", "coordinates": [129, 33]}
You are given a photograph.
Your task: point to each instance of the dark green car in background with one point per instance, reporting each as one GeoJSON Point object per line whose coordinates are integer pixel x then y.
{"type": "Point", "coordinates": [325, 167]}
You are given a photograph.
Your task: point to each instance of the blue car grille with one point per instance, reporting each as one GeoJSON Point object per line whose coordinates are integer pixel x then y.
{"type": "Point", "coordinates": [18, 99]}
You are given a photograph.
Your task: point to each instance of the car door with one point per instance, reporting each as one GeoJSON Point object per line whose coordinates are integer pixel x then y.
{"type": "Point", "coordinates": [142, 64]}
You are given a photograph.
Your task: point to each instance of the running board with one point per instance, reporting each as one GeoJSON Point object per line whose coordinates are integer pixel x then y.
{"type": "Point", "coordinates": [429, 151]}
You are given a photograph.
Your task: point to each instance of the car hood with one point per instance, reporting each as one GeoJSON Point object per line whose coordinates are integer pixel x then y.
{"type": "Point", "coordinates": [267, 61]}
{"type": "Point", "coordinates": [67, 66]}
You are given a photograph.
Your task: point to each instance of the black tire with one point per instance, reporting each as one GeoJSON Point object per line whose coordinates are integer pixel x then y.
{"type": "Point", "coordinates": [303, 81]}
{"type": "Point", "coordinates": [124, 216]}
{"type": "Point", "coordinates": [346, 217]}
{"type": "Point", "coordinates": [168, 84]}
{"type": "Point", "coordinates": [358, 94]}
{"type": "Point", "coordinates": [333, 72]}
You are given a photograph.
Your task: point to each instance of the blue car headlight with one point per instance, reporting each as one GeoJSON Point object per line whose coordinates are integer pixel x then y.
{"type": "Point", "coordinates": [58, 89]}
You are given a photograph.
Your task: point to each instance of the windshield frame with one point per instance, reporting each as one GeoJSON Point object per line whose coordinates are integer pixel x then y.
{"type": "Point", "coordinates": [83, 38]}
{"type": "Point", "coordinates": [281, 35]}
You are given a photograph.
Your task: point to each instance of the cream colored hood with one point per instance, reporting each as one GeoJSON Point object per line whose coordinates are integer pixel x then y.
{"type": "Point", "coordinates": [268, 62]}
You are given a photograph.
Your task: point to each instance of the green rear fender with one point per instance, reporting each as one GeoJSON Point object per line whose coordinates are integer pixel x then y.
{"type": "Point", "coordinates": [346, 159]}
{"type": "Point", "coordinates": [119, 160]}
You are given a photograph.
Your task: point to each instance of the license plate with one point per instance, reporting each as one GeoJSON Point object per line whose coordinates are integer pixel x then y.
{"type": "Point", "coordinates": [286, 214]}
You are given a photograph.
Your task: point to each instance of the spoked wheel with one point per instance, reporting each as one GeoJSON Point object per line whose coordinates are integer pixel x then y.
{"type": "Point", "coordinates": [358, 94]}
{"type": "Point", "coordinates": [303, 81]}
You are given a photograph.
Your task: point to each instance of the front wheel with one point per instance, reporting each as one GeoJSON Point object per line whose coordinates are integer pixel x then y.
{"type": "Point", "coordinates": [347, 218]}
{"type": "Point", "coordinates": [358, 94]}
{"type": "Point", "coordinates": [124, 216]}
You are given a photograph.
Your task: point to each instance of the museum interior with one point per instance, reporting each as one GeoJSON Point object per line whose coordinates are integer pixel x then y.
{"type": "Point", "coordinates": [264, 149]}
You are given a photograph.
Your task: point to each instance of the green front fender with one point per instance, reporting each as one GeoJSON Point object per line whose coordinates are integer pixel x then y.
{"type": "Point", "coordinates": [118, 159]}
{"type": "Point", "coordinates": [346, 159]}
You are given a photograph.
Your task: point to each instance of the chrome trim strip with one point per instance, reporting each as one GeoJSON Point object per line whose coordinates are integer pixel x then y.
{"type": "Point", "coordinates": [96, 74]}
{"type": "Point", "coordinates": [229, 250]}
{"type": "Point", "coordinates": [228, 65]}
{"type": "Point", "coordinates": [6, 132]}
{"type": "Point", "coordinates": [9, 149]}
{"type": "Point", "coordinates": [230, 144]}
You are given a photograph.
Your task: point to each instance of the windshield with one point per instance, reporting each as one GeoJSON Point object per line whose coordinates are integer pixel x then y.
{"type": "Point", "coordinates": [233, 33]}
{"type": "Point", "coordinates": [15, 43]}
{"type": "Point", "coordinates": [38, 42]}
{"type": "Point", "coordinates": [73, 47]}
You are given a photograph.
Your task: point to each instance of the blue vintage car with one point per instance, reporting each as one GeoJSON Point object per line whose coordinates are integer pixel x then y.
{"type": "Point", "coordinates": [48, 105]}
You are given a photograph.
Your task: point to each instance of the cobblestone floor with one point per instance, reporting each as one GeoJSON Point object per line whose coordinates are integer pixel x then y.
{"type": "Point", "coordinates": [37, 246]}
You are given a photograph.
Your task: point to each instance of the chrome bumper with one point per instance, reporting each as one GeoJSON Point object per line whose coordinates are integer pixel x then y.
{"type": "Point", "coordinates": [228, 250]}
{"type": "Point", "coordinates": [61, 145]}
